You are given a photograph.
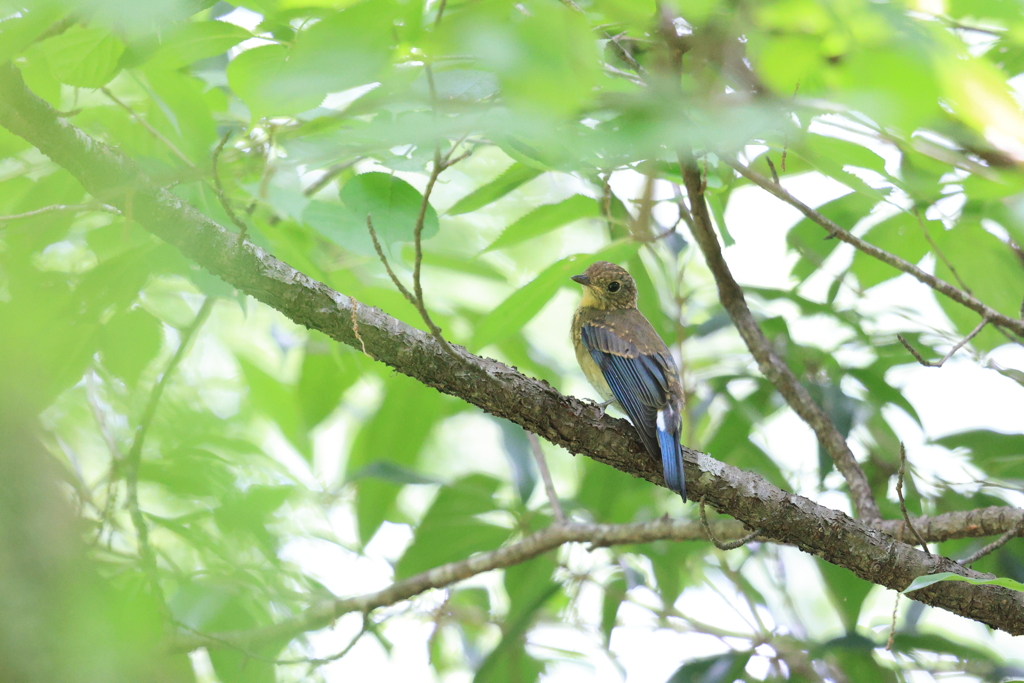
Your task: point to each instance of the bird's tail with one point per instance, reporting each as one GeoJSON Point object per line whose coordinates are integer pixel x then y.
{"type": "Point", "coordinates": [672, 461]}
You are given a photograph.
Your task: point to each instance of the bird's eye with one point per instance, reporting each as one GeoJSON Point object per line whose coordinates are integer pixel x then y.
{"type": "Point", "coordinates": [613, 286]}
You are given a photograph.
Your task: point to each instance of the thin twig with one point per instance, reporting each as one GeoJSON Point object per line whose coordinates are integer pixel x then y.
{"type": "Point", "coordinates": [435, 331]}
{"type": "Point", "coordinates": [355, 326]}
{"type": "Point", "coordinates": [938, 252]}
{"type": "Point", "coordinates": [152, 131]}
{"type": "Point", "coordinates": [959, 296]}
{"type": "Point", "coordinates": [545, 475]}
{"type": "Point", "coordinates": [775, 174]}
{"type": "Point", "coordinates": [107, 208]}
{"type": "Point", "coordinates": [994, 545]}
{"type": "Point", "coordinates": [440, 13]}
{"type": "Point", "coordinates": [243, 229]}
{"type": "Point", "coordinates": [416, 297]}
{"type": "Point", "coordinates": [314, 663]}
{"type": "Point", "coordinates": [903, 503]}
{"type": "Point", "coordinates": [770, 364]}
{"type": "Point", "coordinates": [329, 175]}
{"type": "Point", "coordinates": [387, 266]}
{"type": "Point", "coordinates": [939, 363]}
{"type": "Point", "coordinates": [732, 545]}
{"type": "Point", "coordinates": [549, 538]}
{"type": "Point", "coordinates": [134, 457]}
{"type": "Point", "coordinates": [892, 627]}
{"type": "Point", "coordinates": [116, 457]}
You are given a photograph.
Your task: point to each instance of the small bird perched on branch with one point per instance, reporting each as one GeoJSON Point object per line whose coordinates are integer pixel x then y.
{"type": "Point", "coordinates": [627, 363]}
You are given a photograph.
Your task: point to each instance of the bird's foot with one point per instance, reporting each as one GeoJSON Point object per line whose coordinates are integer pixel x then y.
{"type": "Point", "coordinates": [602, 406]}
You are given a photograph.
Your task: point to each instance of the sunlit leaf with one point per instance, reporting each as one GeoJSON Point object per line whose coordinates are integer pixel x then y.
{"type": "Point", "coordinates": [86, 57]}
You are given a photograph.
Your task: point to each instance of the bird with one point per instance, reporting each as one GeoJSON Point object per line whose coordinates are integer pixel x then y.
{"type": "Point", "coordinates": [627, 363]}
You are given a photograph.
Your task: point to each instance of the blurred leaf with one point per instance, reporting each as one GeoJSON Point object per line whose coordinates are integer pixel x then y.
{"type": "Point", "coordinates": [129, 342]}
{"type": "Point", "coordinates": [259, 76]}
{"type": "Point", "coordinates": [511, 178]}
{"type": "Point", "coordinates": [192, 41]}
{"type": "Point", "coordinates": [848, 592]}
{"type": "Point", "coordinates": [811, 241]}
{"type": "Point", "coordinates": [86, 57]}
{"type": "Point", "coordinates": [343, 50]}
{"type": "Point", "coordinates": [929, 579]}
{"type": "Point", "coordinates": [396, 433]}
{"type": "Point", "coordinates": [189, 472]}
{"type": "Point", "coordinates": [989, 268]}
{"type": "Point", "coordinates": [614, 593]}
{"type": "Point", "coordinates": [853, 654]}
{"type": "Point", "coordinates": [900, 235]}
{"type": "Point", "coordinates": [449, 531]}
{"type": "Point", "coordinates": [520, 458]}
{"type": "Point", "coordinates": [324, 378]}
{"type": "Point", "coordinates": [546, 61]}
{"type": "Point", "coordinates": [277, 401]}
{"type": "Point", "coordinates": [393, 203]}
{"type": "Point", "coordinates": [529, 586]}
{"type": "Point", "coordinates": [19, 31]}
{"type": "Point", "coordinates": [718, 669]}
{"type": "Point", "coordinates": [546, 218]}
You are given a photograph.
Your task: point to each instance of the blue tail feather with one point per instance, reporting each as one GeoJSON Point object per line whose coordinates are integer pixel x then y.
{"type": "Point", "coordinates": [672, 462]}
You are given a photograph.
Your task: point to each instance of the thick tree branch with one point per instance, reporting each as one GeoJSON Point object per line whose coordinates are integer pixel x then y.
{"type": "Point", "coordinates": [771, 366]}
{"type": "Point", "coordinates": [488, 384]}
{"type": "Point", "coordinates": [961, 297]}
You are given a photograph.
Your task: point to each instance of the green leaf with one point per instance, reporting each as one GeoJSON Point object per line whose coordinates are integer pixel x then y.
{"type": "Point", "coordinates": [930, 579]}
{"type": "Point", "coordinates": [18, 32]}
{"type": "Point", "coordinates": [853, 654]}
{"type": "Point", "coordinates": [514, 312]}
{"type": "Point", "coordinates": [86, 57]}
{"type": "Point", "coordinates": [129, 342]}
{"type": "Point", "coordinates": [260, 78]}
{"type": "Point", "coordinates": [277, 401]}
{"type": "Point", "coordinates": [511, 178]}
{"type": "Point", "coordinates": [546, 61]}
{"type": "Point", "coordinates": [190, 473]}
{"type": "Point", "coordinates": [848, 592]}
{"type": "Point", "coordinates": [900, 235]}
{"type": "Point", "coordinates": [614, 594]}
{"type": "Point", "coordinates": [811, 241]}
{"type": "Point", "coordinates": [529, 586]}
{"type": "Point", "coordinates": [343, 50]}
{"type": "Point", "coordinates": [396, 433]}
{"type": "Point", "coordinates": [1000, 455]}
{"type": "Point", "coordinates": [393, 204]}
{"type": "Point", "coordinates": [450, 531]}
{"type": "Point", "coordinates": [520, 458]}
{"type": "Point", "coordinates": [347, 48]}
{"type": "Point", "coordinates": [718, 669]}
{"type": "Point", "coordinates": [990, 270]}
{"type": "Point", "coordinates": [546, 218]}
{"type": "Point", "coordinates": [193, 41]}
{"type": "Point", "coordinates": [324, 378]}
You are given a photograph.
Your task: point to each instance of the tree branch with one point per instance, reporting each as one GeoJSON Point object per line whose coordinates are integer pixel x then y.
{"type": "Point", "coordinates": [496, 388]}
{"type": "Point", "coordinates": [961, 297]}
{"type": "Point", "coordinates": [134, 457]}
{"type": "Point", "coordinates": [939, 363]}
{"type": "Point", "coordinates": [771, 366]}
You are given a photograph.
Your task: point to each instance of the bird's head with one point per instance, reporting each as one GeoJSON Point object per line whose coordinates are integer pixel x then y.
{"type": "Point", "coordinates": [607, 286]}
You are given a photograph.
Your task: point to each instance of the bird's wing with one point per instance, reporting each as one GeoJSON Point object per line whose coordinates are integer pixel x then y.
{"type": "Point", "coordinates": [638, 376]}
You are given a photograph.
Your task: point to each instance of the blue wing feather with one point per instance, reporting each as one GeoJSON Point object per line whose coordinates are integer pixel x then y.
{"type": "Point", "coordinates": [640, 383]}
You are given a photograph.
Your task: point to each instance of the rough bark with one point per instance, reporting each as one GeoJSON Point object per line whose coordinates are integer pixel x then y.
{"type": "Point", "coordinates": [488, 384]}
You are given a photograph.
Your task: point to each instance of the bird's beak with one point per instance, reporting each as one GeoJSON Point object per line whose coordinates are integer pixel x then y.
{"type": "Point", "coordinates": [582, 279]}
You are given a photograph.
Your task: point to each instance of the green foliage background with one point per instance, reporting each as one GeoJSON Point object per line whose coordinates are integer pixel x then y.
{"type": "Point", "coordinates": [270, 438]}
